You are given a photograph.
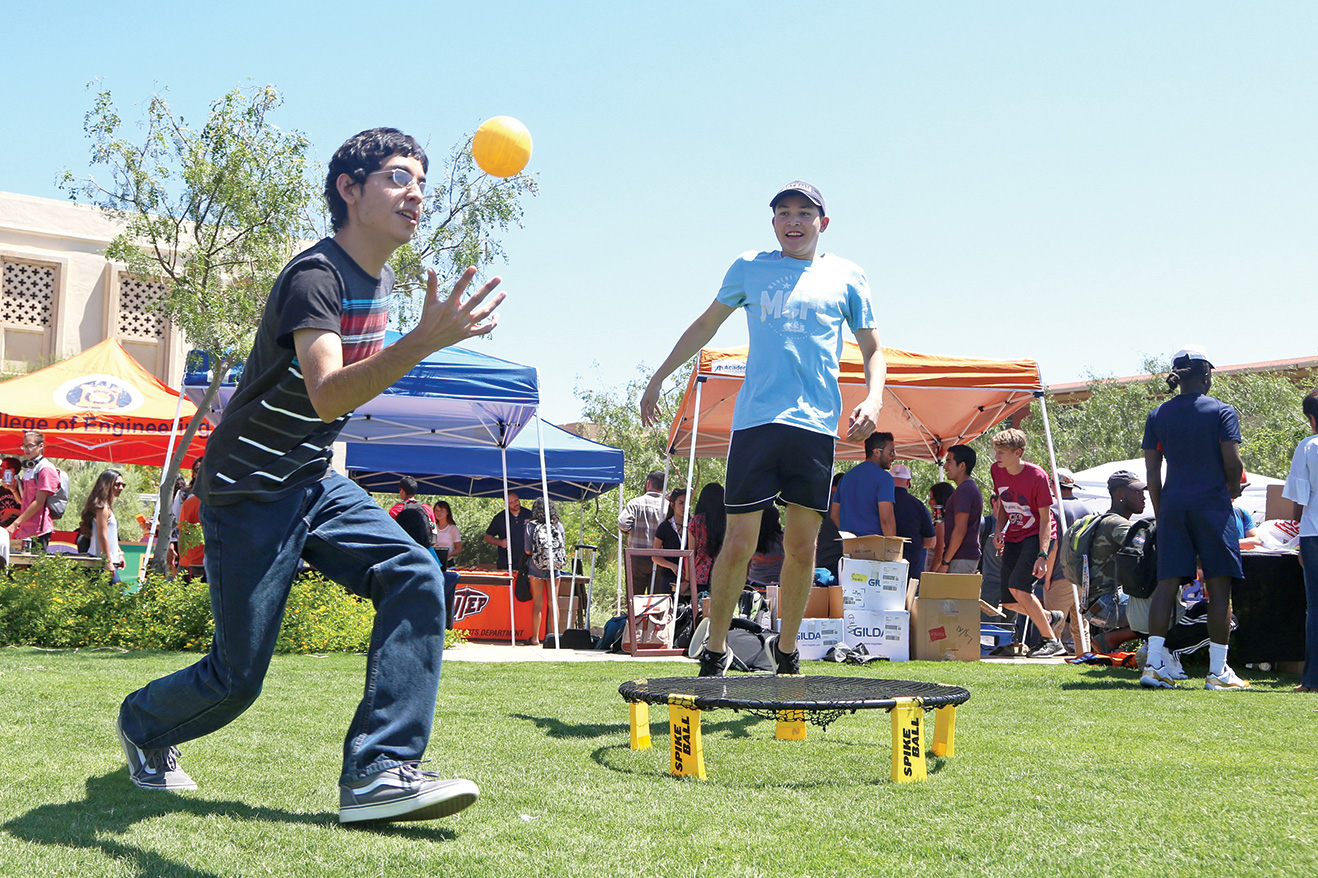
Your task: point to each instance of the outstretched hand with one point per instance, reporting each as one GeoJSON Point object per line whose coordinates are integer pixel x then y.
{"type": "Point", "coordinates": [445, 322]}
{"type": "Point", "coordinates": [864, 421]}
{"type": "Point", "coordinates": [650, 413]}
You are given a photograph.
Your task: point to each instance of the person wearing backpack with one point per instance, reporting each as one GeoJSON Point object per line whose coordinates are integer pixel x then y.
{"type": "Point", "coordinates": [38, 482]}
{"type": "Point", "coordinates": [547, 546]}
{"type": "Point", "coordinates": [1095, 540]}
{"type": "Point", "coordinates": [1199, 437]}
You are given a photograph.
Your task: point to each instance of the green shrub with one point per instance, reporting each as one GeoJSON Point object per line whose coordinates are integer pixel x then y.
{"type": "Point", "coordinates": [57, 604]}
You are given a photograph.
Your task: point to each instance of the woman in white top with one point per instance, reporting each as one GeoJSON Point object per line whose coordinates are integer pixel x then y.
{"type": "Point", "coordinates": [99, 523]}
{"type": "Point", "coordinates": [446, 532]}
{"type": "Point", "coordinates": [1302, 488]}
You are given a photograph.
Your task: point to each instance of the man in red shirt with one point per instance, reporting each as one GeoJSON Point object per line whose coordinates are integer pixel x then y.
{"type": "Point", "coordinates": [407, 489]}
{"type": "Point", "coordinates": [1026, 517]}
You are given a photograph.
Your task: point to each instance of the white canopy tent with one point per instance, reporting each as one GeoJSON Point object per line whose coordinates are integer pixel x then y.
{"type": "Point", "coordinates": [1091, 486]}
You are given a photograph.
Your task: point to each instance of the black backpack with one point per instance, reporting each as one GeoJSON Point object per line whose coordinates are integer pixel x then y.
{"type": "Point", "coordinates": [1137, 559]}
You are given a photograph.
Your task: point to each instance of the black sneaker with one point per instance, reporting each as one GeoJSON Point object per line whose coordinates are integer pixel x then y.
{"type": "Point", "coordinates": [781, 662]}
{"type": "Point", "coordinates": [404, 792]}
{"type": "Point", "coordinates": [153, 769]}
{"type": "Point", "coordinates": [715, 664]}
{"type": "Point", "coordinates": [1046, 649]}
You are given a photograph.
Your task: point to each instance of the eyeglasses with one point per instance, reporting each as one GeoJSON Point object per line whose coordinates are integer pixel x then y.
{"type": "Point", "coordinates": [402, 178]}
{"type": "Point", "coordinates": [119, 485]}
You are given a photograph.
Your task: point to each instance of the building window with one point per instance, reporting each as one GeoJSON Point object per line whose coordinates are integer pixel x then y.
{"type": "Point", "coordinates": [27, 301]}
{"type": "Point", "coordinates": [139, 309]}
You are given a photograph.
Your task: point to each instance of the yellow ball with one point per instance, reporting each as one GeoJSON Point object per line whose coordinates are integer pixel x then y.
{"type": "Point", "coordinates": [502, 146]}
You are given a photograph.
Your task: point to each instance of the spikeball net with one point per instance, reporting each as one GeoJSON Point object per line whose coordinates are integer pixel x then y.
{"type": "Point", "coordinates": [818, 700]}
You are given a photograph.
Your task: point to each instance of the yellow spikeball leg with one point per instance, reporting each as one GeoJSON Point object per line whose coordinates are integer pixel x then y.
{"type": "Point", "coordinates": [945, 731]}
{"type": "Point", "coordinates": [501, 146]}
{"type": "Point", "coordinates": [640, 725]}
{"type": "Point", "coordinates": [907, 741]}
{"type": "Point", "coordinates": [688, 754]}
{"type": "Point", "coordinates": [791, 725]}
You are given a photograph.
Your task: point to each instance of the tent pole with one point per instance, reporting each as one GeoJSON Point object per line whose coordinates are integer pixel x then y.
{"type": "Point", "coordinates": [617, 610]}
{"type": "Point", "coordinates": [508, 537]}
{"type": "Point", "coordinates": [552, 610]}
{"type": "Point", "coordinates": [164, 469]}
{"type": "Point", "coordinates": [1081, 628]}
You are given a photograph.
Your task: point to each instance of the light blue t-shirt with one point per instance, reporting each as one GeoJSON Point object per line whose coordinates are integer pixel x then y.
{"type": "Point", "coordinates": [795, 311]}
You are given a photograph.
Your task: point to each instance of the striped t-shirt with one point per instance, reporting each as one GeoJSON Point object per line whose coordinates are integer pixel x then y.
{"type": "Point", "coordinates": [270, 440]}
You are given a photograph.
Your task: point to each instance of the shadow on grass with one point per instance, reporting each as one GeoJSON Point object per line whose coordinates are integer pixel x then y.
{"type": "Point", "coordinates": [112, 806]}
{"type": "Point", "coordinates": [554, 727]}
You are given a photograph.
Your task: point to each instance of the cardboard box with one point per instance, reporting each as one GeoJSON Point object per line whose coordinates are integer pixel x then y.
{"type": "Point", "coordinates": [873, 547]}
{"type": "Point", "coordinates": [885, 634]}
{"type": "Point", "coordinates": [878, 586]}
{"type": "Point", "coordinates": [817, 637]}
{"type": "Point", "coordinates": [825, 602]}
{"type": "Point", "coordinates": [945, 618]}
{"type": "Point", "coordinates": [1278, 507]}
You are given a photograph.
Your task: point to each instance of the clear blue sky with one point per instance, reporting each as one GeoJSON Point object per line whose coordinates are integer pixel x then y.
{"type": "Point", "coordinates": [1077, 183]}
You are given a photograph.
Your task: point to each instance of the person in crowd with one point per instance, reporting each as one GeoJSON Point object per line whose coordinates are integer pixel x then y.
{"type": "Point", "coordinates": [11, 501]}
{"type": "Point", "coordinates": [1246, 531]}
{"type": "Point", "coordinates": [911, 519]}
{"type": "Point", "coordinates": [1057, 594]}
{"type": "Point", "coordinates": [990, 561]}
{"type": "Point", "coordinates": [797, 301]}
{"type": "Point", "coordinates": [407, 488]}
{"type": "Point", "coordinates": [866, 495]}
{"type": "Point", "coordinates": [173, 558]}
{"type": "Point", "coordinates": [939, 494]}
{"type": "Point", "coordinates": [448, 540]}
{"type": "Point", "coordinates": [37, 481]}
{"type": "Point", "coordinates": [415, 523]}
{"type": "Point", "coordinates": [1302, 488]}
{"type": "Point", "coordinates": [270, 499]}
{"type": "Point", "coordinates": [496, 536]}
{"type": "Point", "coordinates": [766, 564]}
{"type": "Point", "coordinates": [1021, 532]}
{"type": "Point", "coordinates": [668, 536]}
{"type": "Point", "coordinates": [191, 537]}
{"type": "Point", "coordinates": [1105, 603]}
{"type": "Point", "coordinates": [99, 523]}
{"type": "Point", "coordinates": [543, 530]}
{"type": "Point", "coordinates": [828, 550]}
{"type": "Point", "coordinates": [1199, 438]}
{"type": "Point", "coordinates": [961, 515]}
{"type": "Point", "coordinates": [705, 534]}
{"type": "Point", "coordinates": [639, 520]}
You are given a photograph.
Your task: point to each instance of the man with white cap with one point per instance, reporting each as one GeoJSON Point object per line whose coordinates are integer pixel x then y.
{"type": "Point", "coordinates": [913, 520]}
{"type": "Point", "coordinates": [1199, 437]}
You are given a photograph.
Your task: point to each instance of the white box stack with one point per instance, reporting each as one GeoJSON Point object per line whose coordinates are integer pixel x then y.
{"type": "Point", "coordinates": [877, 586]}
{"type": "Point", "coordinates": [817, 637]}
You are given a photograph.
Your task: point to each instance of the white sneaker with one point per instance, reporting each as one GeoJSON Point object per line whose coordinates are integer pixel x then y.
{"type": "Point", "coordinates": [1225, 680]}
{"type": "Point", "coordinates": [699, 638]}
{"type": "Point", "coordinates": [1172, 664]}
{"type": "Point", "coordinates": [1157, 677]}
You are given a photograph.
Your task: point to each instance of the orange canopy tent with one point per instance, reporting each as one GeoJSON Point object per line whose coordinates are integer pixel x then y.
{"type": "Point", "coordinates": [930, 403]}
{"type": "Point", "coordinates": [100, 404]}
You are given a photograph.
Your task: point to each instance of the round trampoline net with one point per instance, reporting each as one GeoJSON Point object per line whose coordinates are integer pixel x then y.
{"type": "Point", "coordinates": [820, 700]}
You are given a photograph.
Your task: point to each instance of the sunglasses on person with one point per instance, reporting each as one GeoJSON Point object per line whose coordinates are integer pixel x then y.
{"type": "Point", "coordinates": [402, 178]}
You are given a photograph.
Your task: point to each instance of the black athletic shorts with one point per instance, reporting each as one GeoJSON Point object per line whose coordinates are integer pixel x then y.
{"type": "Point", "coordinates": [778, 461]}
{"type": "Point", "coordinates": [1018, 567]}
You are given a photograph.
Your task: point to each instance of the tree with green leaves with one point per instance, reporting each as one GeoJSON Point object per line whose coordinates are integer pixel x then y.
{"type": "Point", "coordinates": [214, 212]}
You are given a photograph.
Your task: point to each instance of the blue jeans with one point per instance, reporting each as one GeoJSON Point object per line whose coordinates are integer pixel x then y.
{"type": "Point", "coordinates": [253, 552]}
{"type": "Point", "coordinates": [1309, 560]}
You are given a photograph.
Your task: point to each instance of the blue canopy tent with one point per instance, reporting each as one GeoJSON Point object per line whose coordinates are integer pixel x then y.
{"type": "Point", "coordinates": [454, 396]}
{"type": "Point", "coordinates": [577, 468]}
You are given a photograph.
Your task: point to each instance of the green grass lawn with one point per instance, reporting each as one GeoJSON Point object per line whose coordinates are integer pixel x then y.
{"type": "Point", "coordinates": [1059, 770]}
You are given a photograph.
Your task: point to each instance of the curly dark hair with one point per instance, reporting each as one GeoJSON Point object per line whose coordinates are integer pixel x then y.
{"type": "Point", "coordinates": [361, 156]}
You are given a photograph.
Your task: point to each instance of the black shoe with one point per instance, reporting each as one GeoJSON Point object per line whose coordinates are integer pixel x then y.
{"type": "Point", "coordinates": [715, 664]}
{"type": "Point", "coordinates": [781, 662]}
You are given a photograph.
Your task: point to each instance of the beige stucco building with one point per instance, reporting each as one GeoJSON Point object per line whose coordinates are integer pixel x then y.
{"type": "Point", "coordinates": [59, 294]}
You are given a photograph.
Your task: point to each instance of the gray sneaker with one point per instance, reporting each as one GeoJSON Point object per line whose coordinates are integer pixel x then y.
{"type": "Point", "coordinates": [404, 793]}
{"type": "Point", "coordinates": [153, 769]}
{"type": "Point", "coordinates": [1046, 649]}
